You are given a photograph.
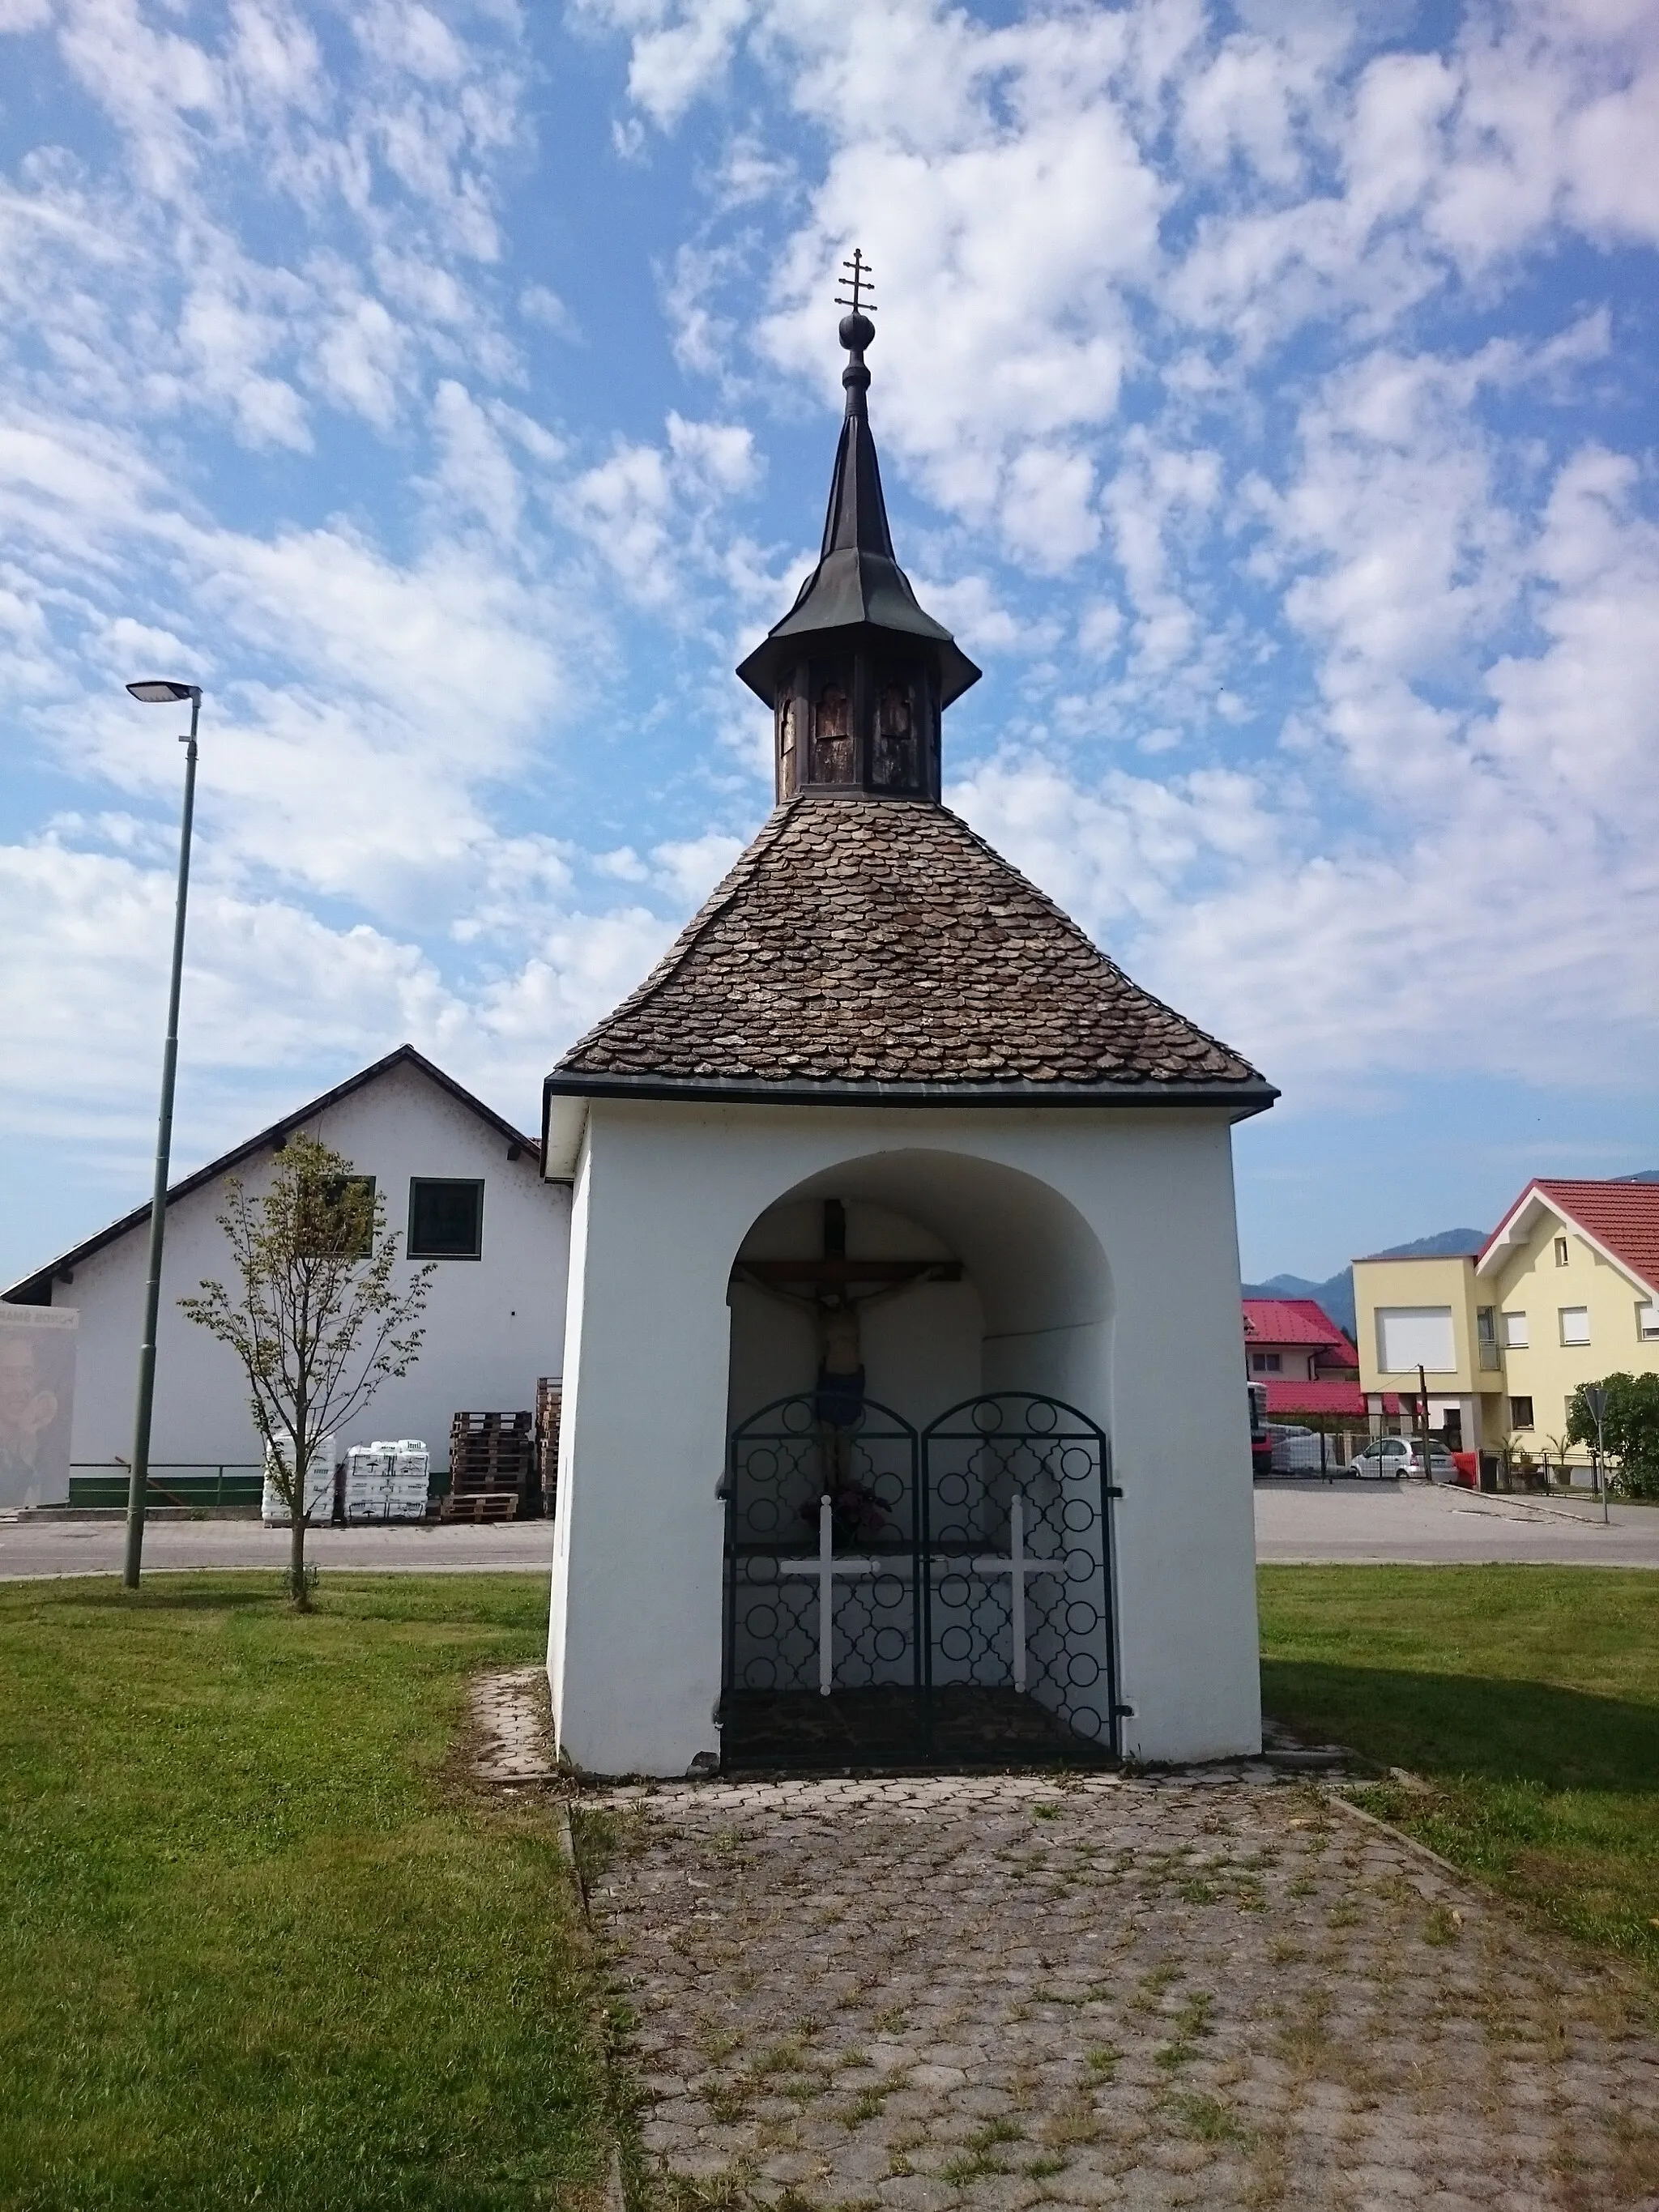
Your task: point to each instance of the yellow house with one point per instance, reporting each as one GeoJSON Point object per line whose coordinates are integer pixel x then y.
{"type": "Point", "coordinates": [1565, 1290]}
{"type": "Point", "coordinates": [1422, 1313]}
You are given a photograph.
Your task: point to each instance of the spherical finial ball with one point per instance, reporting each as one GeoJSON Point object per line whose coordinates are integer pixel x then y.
{"type": "Point", "coordinates": [857, 331]}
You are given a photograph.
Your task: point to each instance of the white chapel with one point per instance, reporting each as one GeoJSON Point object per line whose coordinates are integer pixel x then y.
{"type": "Point", "coordinates": [904, 1416]}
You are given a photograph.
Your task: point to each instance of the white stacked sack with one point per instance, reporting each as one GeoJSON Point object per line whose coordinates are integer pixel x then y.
{"type": "Point", "coordinates": [387, 1481]}
{"type": "Point", "coordinates": [320, 1489]}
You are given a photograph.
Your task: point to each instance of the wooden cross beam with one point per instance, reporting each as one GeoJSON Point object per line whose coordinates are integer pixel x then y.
{"type": "Point", "coordinates": [837, 1271]}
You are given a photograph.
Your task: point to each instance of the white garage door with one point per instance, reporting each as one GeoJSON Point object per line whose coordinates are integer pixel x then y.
{"type": "Point", "coordinates": [1410, 1337]}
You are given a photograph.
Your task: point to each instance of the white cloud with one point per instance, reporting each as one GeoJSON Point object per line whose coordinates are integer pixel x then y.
{"type": "Point", "coordinates": [689, 868]}
{"type": "Point", "coordinates": [650, 511]}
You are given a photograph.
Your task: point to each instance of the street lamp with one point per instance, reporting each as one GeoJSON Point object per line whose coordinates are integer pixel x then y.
{"type": "Point", "coordinates": [159, 692]}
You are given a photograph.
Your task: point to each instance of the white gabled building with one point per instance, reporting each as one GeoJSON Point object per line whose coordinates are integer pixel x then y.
{"type": "Point", "coordinates": [883, 1133]}
{"type": "Point", "coordinates": [461, 1185]}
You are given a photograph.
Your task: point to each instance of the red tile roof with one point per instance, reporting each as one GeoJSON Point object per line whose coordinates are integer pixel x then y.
{"type": "Point", "coordinates": [1293, 1321]}
{"type": "Point", "coordinates": [1286, 1396]}
{"type": "Point", "coordinates": [1622, 1217]}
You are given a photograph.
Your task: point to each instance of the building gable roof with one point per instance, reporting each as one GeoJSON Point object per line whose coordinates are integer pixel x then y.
{"type": "Point", "coordinates": [1296, 1320]}
{"type": "Point", "coordinates": [35, 1289]}
{"type": "Point", "coordinates": [1620, 1219]}
{"type": "Point", "coordinates": [879, 950]}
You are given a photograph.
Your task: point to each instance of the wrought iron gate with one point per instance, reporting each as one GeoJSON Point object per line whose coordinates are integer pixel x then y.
{"type": "Point", "coordinates": [937, 1596]}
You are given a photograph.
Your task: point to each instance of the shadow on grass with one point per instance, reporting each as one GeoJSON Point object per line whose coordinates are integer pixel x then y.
{"type": "Point", "coordinates": [157, 1597]}
{"type": "Point", "coordinates": [1448, 1727]}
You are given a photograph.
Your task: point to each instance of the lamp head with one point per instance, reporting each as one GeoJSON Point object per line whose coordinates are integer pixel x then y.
{"type": "Point", "coordinates": [160, 691]}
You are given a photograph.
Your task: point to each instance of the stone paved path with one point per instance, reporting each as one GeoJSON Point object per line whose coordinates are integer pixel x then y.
{"type": "Point", "coordinates": [1011, 1991]}
{"type": "Point", "coordinates": [513, 1743]}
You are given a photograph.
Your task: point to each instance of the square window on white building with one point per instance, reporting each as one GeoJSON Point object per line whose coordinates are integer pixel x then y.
{"type": "Point", "coordinates": [1265, 1363]}
{"type": "Point", "coordinates": [445, 1218]}
{"type": "Point", "coordinates": [1516, 1338]}
{"type": "Point", "coordinates": [1575, 1325]}
{"type": "Point", "coordinates": [1409, 1337]}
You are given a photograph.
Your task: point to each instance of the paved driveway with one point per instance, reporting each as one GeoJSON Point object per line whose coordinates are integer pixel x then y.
{"type": "Point", "coordinates": [1307, 1521]}
{"type": "Point", "coordinates": [1315, 1522]}
{"type": "Point", "coordinates": [94, 1547]}
{"type": "Point", "coordinates": [1009, 1991]}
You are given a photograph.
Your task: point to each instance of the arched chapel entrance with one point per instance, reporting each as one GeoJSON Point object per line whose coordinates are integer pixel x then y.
{"type": "Point", "coordinates": [918, 1492]}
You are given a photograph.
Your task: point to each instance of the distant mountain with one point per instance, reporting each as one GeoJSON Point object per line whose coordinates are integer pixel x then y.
{"type": "Point", "coordinates": [1648, 1174]}
{"type": "Point", "coordinates": [1336, 1295]}
{"type": "Point", "coordinates": [1440, 1245]}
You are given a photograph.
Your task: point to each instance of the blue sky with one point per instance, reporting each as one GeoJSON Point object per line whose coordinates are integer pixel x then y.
{"type": "Point", "coordinates": [1265, 397]}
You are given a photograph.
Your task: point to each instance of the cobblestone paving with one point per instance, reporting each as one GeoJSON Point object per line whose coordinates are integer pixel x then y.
{"type": "Point", "coordinates": [1011, 1991]}
{"type": "Point", "coordinates": [513, 1743]}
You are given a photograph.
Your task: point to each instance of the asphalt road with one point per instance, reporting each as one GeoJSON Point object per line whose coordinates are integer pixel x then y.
{"type": "Point", "coordinates": [1314, 1523]}
{"type": "Point", "coordinates": [33, 1546]}
{"type": "Point", "coordinates": [1307, 1522]}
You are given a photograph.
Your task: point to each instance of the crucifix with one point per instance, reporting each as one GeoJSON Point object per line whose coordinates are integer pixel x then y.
{"type": "Point", "coordinates": [837, 1292]}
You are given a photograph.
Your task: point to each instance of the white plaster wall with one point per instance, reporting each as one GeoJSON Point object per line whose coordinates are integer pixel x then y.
{"type": "Point", "coordinates": [492, 1325]}
{"type": "Point", "coordinates": [1137, 1324]}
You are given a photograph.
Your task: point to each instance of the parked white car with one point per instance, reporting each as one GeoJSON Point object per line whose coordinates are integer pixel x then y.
{"type": "Point", "coordinates": [1388, 1459]}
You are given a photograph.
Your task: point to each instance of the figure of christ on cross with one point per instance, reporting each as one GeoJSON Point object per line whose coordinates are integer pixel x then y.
{"type": "Point", "coordinates": [824, 1289]}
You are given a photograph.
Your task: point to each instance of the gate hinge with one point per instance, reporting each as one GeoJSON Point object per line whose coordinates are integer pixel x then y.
{"type": "Point", "coordinates": [1115, 1490]}
{"type": "Point", "coordinates": [1123, 1712]}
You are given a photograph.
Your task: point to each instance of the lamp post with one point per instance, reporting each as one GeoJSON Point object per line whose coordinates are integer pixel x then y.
{"type": "Point", "coordinates": [156, 693]}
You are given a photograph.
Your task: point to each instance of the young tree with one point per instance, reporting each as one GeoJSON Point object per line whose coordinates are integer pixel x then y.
{"type": "Point", "coordinates": [1630, 1429]}
{"type": "Point", "coordinates": [318, 1320]}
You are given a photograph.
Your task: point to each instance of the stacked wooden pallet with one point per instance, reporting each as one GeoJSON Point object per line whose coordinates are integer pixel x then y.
{"type": "Point", "coordinates": [492, 1460]}
{"type": "Point", "coordinates": [548, 1397]}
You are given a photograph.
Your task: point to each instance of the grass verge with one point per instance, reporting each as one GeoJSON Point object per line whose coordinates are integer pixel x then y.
{"type": "Point", "coordinates": [1527, 1698]}
{"type": "Point", "coordinates": [257, 1945]}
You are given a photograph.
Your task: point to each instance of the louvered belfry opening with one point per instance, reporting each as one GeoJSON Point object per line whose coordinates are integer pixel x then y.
{"type": "Point", "coordinates": [857, 721]}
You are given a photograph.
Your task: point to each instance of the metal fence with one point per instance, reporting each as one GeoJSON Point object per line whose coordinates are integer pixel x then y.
{"type": "Point", "coordinates": [901, 1594]}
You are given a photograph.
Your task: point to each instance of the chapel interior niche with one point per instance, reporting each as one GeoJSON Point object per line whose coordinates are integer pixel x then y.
{"type": "Point", "coordinates": [911, 1325]}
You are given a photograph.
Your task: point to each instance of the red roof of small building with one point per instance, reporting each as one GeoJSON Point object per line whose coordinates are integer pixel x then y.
{"type": "Point", "coordinates": [1623, 1218]}
{"type": "Point", "coordinates": [1285, 1396]}
{"type": "Point", "coordinates": [1295, 1320]}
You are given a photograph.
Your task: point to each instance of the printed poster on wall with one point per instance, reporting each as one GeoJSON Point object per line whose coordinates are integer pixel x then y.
{"type": "Point", "coordinates": [37, 1403]}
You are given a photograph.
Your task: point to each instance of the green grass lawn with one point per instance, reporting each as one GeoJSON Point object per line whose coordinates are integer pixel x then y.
{"type": "Point", "coordinates": [258, 1947]}
{"type": "Point", "coordinates": [1527, 1697]}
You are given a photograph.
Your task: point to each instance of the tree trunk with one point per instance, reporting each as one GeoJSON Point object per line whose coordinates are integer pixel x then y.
{"type": "Point", "coordinates": [298, 1594]}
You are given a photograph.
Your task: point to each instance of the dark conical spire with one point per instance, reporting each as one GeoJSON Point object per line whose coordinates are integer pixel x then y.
{"type": "Point", "coordinates": [856, 672]}
{"type": "Point", "coordinates": [856, 519]}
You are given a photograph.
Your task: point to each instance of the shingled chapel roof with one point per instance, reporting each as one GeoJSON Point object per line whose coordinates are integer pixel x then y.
{"type": "Point", "coordinates": [879, 949]}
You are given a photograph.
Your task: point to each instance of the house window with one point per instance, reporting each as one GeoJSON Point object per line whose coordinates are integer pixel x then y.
{"type": "Point", "coordinates": [1485, 1335]}
{"type": "Point", "coordinates": [446, 1218]}
{"type": "Point", "coordinates": [1516, 1338]}
{"type": "Point", "coordinates": [1561, 1251]}
{"type": "Point", "coordinates": [341, 1225]}
{"type": "Point", "coordinates": [1520, 1413]}
{"type": "Point", "coordinates": [1408, 1337]}
{"type": "Point", "coordinates": [1265, 1363]}
{"type": "Point", "coordinates": [1574, 1324]}
{"type": "Point", "coordinates": [1647, 1322]}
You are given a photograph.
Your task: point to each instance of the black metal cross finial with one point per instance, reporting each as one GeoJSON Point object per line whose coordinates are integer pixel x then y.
{"type": "Point", "coordinates": [859, 280]}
